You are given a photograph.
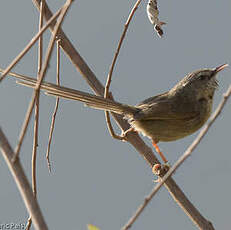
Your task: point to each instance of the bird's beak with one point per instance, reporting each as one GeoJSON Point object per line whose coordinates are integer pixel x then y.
{"type": "Point", "coordinates": [219, 68]}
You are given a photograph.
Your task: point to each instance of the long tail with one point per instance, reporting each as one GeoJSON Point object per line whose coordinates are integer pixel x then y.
{"type": "Point", "coordinates": [90, 100]}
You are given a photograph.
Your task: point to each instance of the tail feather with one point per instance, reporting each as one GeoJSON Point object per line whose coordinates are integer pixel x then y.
{"type": "Point", "coordinates": [96, 102]}
{"type": "Point", "coordinates": [90, 100]}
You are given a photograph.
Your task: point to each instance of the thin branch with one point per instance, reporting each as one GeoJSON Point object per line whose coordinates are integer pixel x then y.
{"type": "Point", "coordinates": [40, 55]}
{"type": "Point", "coordinates": [180, 161]}
{"type": "Point", "coordinates": [22, 183]}
{"type": "Point", "coordinates": [118, 48]}
{"type": "Point", "coordinates": [108, 83]}
{"type": "Point", "coordinates": [30, 44]}
{"type": "Point", "coordinates": [41, 76]}
{"type": "Point", "coordinates": [36, 121]}
{"type": "Point", "coordinates": [74, 56]}
{"type": "Point", "coordinates": [29, 223]}
{"type": "Point", "coordinates": [55, 109]}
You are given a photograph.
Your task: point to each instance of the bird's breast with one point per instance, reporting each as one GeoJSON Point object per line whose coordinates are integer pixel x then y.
{"type": "Point", "coordinates": [174, 129]}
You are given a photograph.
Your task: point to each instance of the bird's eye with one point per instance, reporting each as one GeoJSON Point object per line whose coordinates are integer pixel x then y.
{"type": "Point", "coordinates": [203, 77]}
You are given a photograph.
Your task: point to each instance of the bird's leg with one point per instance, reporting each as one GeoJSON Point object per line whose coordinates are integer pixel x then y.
{"type": "Point", "coordinates": [158, 169]}
{"type": "Point", "coordinates": [159, 152]}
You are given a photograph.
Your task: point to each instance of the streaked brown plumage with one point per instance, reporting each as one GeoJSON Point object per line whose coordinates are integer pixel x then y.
{"type": "Point", "coordinates": [166, 117]}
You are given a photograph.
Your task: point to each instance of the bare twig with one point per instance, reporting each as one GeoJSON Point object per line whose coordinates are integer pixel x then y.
{"type": "Point", "coordinates": [181, 160]}
{"type": "Point", "coordinates": [31, 43]}
{"type": "Point", "coordinates": [74, 56]}
{"type": "Point", "coordinates": [36, 121]}
{"type": "Point", "coordinates": [22, 183]}
{"type": "Point", "coordinates": [40, 55]}
{"type": "Point", "coordinates": [41, 76]}
{"type": "Point", "coordinates": [108, 83]}
{"type": "Point", "coordinates": [55, 109]}
{"type": "Point", "coordinates": [29, 223]}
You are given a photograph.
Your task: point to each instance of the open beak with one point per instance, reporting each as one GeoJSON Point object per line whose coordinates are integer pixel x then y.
{"type": "Point", "coordinates": [219, 68]}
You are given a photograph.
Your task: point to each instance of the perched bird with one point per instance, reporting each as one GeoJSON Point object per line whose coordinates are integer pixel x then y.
{"type": "Point", "coordinates": [169, 116]}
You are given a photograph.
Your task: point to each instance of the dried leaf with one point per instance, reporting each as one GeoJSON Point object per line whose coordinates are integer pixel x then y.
{"type": "Point", "coordinates": [153, 13]}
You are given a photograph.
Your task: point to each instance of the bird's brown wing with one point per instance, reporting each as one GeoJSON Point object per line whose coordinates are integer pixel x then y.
{"type": "Point", "coordinates": [161, 107]}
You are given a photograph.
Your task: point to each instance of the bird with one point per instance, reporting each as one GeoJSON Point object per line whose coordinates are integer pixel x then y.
{"type": "Point", "coordinates": [169, 116]}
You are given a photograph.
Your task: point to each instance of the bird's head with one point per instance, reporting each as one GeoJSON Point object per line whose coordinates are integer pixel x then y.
{"type": "Point", "coordinates": [200, 81]}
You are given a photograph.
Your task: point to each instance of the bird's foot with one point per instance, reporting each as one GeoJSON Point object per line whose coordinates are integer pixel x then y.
{"type": "Point", "coordinates": [125, 133]}
{"type": "Point", "coordinates": [160, 170]}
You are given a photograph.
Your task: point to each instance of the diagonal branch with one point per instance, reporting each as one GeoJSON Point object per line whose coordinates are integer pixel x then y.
{"type": "Point", "coordinates": [30, 44]}
{"type": "Point", "coordinates": [181, 160]}
{"type": "Point", "coordinates": [22, 183]}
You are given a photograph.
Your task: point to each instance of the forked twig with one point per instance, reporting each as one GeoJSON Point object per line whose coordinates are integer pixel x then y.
{"type": "Point", "coordinates": [180, 161]}
{"type": "Point", "coordinates": [55, 109]}
{"type": "Point", "coordinates": [22, 183]}
{"type": "Point", "coordinates": [41, 76]}
{"type": "Point", "coordinates": [108, 83]}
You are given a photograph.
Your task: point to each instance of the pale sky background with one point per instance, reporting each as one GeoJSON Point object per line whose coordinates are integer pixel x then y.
{"type": "Point", "coordinates": [94, 178]}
